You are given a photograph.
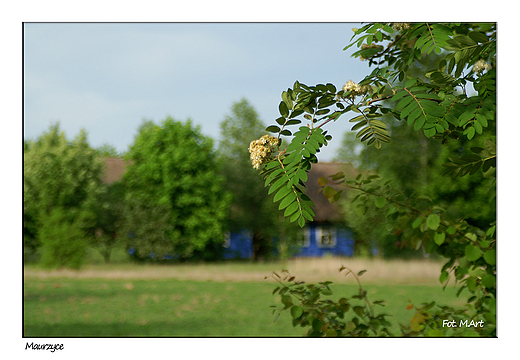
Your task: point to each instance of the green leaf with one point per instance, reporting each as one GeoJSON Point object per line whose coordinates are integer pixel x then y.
{"type": "Point", "coordinates": [291, 209]}
{"type": "Point", "coordinates": [488, 281]}
{"type": "Point", "coordinates": [326, 292]}
{"type": "Point", "coordinates": [469, 132]}
{"type": "Point", "coordinates": [488, 164]}
{"type": "Point", "coordinates": [419, 122]}
{"type": "Point", "coordinates": [472, 252]}
{"type": "Point", "coordinates": [380, 202]}
{"type": "Point", "coordinates": [281, 181]}
{"type": "Point", "coordinates": [271, 165]}
{"type": "Point", "coordinates": [490, 256]}
{"type": "Point", "coordinates": [478, 127]}
{"type": "Point", "coordinates": [359, 125]}
{"type": "Point", "coordinates": [293, 122]}
{"type": "Point", "coordinates": [287, 99]}
{"type": "Point", "coordinates": [301, 221]}
{"type": "Point", "coordinates": [316, 325]}
{"type": "Point", "coordinates": [359, 310]}
{"type": "Point", "coordinates": [350, 326]}
{"type": "Point", "coordinates": [287, 301]}
{"type": "Point", "coordinates": [302, 175]}
{"type": "Point", "coordinates": [331, 88]}
{"type": "Point", "coordinates": [482, 120]}
{"type": "Point", "coordinates": [287, 201]}
{"type": "Point", "coordinates": [283, 192]}
{"type": "Point", "coordinates": [435, 332]}
{"type": "Point", "coordinates": [408, 109]}
{"type": "Point", "coordinates": [413, 115]}
{"type": "Point", "coordinates": [429, 132]}
{"type": "Point", "coordinates": [444, 276]}
{"type": "Point", "coordinates": [296, 311]}
{"type": "Point", "coordinates": [273, 128]}
{"type": "Point", "coordinates": [357, 118]}
{"type": "Point", "coordinates": [478, 36]}
{"type": "Point", "coordinates": [295, 216]}
{"type": "Point", "coordinates": [439, 238]}
{"type": "Point", "coordinates": [284, 111]}
{"type": "Point", "coordinates": [417, 222]}
{"type": "Point", "coordinates": [280, 120]}
{"type": "Point", "coordinates": [329, 192]}
{"type": "Point", "coordinates": [322, 181]}
{"type": "Point", "coordinates": [433, 221]}
{"type": "Point", "coordinates": [471, 283]}
{"type": "Point", "coordinates": [410, 83]}
{"type": "Point", "coordinates": [405, 102]}
{"type": "Point", "coordinates": [307, 213]}
{"type": "Point", "coordinates": [379, 36]}
{"type": "Point", "coordinates": [322, 112]}
{"type": "Point", "coordinates": [399, 95]}
{"type": "Point", "coordinates": [417, 322]}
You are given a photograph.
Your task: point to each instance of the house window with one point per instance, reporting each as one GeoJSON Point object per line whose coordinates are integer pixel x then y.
{"type": "Point", "coordinates": [325, 237]}
{"type": "Point", "coordinates": [304, 240]}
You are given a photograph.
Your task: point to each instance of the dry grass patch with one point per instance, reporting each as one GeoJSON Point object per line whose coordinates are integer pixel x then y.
{"type": "Point", "coordinates": [309, 270]}
{"type": "Point", "coordinates": [378, 271]}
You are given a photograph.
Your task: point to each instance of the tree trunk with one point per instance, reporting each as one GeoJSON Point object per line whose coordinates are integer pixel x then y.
{"type": "Point", "coordinates": [259, 247]}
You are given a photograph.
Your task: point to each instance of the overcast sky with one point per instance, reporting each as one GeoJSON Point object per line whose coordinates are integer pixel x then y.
{"type": "Point", "coordinates": [108, 77]}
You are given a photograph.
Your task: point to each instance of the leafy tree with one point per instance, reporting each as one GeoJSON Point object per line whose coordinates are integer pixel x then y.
{"type": "Point", "coordinates": [471, 197]}
{"type": "Point", "coordinates": [107, 150]}
{"type": "Point", "coordinates": [440, 106]}
{"type": "Point", "coordinates": [58, 174]}
{"type": "Point", "coordinates": [251, 207]}
{"type": "Point", "coordinates": [350, 150]}
{"type": "Point", "coordinates": [175, 204]}
{"type": "Point", "coordinates": [106, 209]}
{"type": "Point", "coordinates": [412, 174]}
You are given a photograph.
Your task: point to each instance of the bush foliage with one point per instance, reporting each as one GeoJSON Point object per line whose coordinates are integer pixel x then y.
{"type": "Point", "coordinates": [63, 244]}
{"type": "Point", "coordinates": [455, 100]}
{"type": "Point", "coordinates": [60, 176]}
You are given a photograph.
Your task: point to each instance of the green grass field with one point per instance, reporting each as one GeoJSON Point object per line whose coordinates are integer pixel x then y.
{"type": "Point", "coordinates": [207, 300]}
{"type": "Point", "coordinates": [98, 307]}
{"type": "Point", "coordinates": [219, 300]}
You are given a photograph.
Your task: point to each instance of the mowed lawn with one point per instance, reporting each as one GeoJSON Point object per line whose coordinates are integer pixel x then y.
{"type": "Point", "coordinates": [185, 301]}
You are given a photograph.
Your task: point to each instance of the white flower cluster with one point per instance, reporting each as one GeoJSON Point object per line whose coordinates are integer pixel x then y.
{"type": "Point", "coordinates": [352, 87]}
{"type": "Point", "coordinates": [262, 149]}
{"type": "Point", "coordinates": [480, 66]}
{"type": "Point", "coordinates": [355, 89]}
{"type": "Point", "coordinates": [401, 26]}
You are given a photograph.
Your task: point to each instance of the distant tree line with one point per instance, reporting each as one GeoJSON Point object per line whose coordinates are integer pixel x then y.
{"type": "Point", "coordinates": [175, 202]}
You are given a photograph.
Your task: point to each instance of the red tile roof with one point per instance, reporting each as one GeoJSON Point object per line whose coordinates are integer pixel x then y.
{"type": "Point", "coordinates": [114, 170]}
{"type": "Point", "coordinates": [324, 210]}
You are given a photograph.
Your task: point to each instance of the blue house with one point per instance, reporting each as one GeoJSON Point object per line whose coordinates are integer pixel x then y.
{"type": "Point", "coordinates": [319, 240]}
{"type": "Point", "coordinates": [238, 245]}
{"type": "Point", "coordinates": [326, 235]}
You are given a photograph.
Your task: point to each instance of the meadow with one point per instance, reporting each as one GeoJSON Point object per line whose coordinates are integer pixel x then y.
{"type": "Point", "coordinates": [229, 299]}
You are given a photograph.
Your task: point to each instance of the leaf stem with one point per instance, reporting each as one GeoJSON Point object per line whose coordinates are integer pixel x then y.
{"type": "Point", "coordinates": [364, 294]}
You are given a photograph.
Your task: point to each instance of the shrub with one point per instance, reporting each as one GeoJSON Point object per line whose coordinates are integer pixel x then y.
{"type": "Point", "coordinates": [63, 242]}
